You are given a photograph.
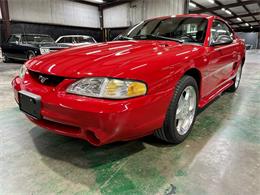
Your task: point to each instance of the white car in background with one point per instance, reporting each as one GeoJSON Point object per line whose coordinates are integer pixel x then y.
{"type": "Point", "coordinates": [75, 40]}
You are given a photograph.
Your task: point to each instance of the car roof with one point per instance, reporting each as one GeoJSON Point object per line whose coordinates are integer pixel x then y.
{"type": "Point", "coordinates": [75, 36]}
{"type": "Point", "coordinates": [30, 34]}
{"type": "Point", "coordinates": [206, 16]}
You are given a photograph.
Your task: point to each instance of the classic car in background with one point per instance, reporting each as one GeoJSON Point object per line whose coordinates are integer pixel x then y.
{"type": "Point", "coordinates": [75, 40]}
{"type": "Point", "coordinates": [26, 46]}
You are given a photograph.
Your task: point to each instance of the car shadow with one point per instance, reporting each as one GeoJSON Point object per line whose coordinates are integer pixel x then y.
{"type": "Point", "coordinates": [74, 152]}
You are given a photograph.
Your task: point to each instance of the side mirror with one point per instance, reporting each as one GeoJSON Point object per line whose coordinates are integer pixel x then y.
{"type": "Point", "coordinates": [222, 40]}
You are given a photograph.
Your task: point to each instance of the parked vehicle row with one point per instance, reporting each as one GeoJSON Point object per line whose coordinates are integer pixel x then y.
{"type": "Point", "coordinates": [26, 46]}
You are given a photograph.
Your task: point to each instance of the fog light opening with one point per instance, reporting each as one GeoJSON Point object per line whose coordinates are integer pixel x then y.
{"type": "Point", "coordinates": [92, 138]}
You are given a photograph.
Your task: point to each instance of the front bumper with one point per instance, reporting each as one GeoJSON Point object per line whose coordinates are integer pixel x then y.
{"type": "Point", "coordinates": [98, 121]}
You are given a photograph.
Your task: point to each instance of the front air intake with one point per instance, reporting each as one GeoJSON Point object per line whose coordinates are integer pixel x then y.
{"type": "Point", "coordinates": [45, 79]}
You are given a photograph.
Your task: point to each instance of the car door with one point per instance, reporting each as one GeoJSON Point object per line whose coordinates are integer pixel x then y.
{"type": "Point", "coordinates": [222, 55]}
{"type": "Point", "coordinates": [11, 46]}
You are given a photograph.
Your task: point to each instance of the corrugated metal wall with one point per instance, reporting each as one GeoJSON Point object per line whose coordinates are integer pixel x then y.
{"type": "Point", "coordinates": [62, 12]}
{"type": "Point", "coordinates": [132, 13]}
{"type": "Point", "coordinates": [144, 9]}
{"type": "Point", "coordinates": [117, 16]}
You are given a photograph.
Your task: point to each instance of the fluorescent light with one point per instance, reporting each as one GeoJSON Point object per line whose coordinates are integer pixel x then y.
{"type": "Point", "coordinates": [211, 1]}
{"type": "Point", "coordinates": [239, 19]}
{"type": "Point", "coordinates": [192, 4]}
{"type": "Point", "coordinates": [228, 12]}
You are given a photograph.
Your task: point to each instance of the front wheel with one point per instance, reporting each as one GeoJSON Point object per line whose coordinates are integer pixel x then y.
{"type": "Point", "coordinates": [5, 58]}
{"type": "Point", "coordinates": [181, 113]}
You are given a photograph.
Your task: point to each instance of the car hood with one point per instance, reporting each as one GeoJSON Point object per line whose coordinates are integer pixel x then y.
{"type": "Point", "coordinates": [111, 59]}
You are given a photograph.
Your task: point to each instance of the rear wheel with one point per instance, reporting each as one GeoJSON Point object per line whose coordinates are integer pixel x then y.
{"type": "Point", "coordinates": [236, 80]}
{"type": "Point", "coordinates": [181, 113]}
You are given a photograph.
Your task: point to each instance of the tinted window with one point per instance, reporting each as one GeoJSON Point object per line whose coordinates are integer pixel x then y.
{"type": "Point", "coordinates": [37, 39]}
{"type": "Point", "coordinates": [218, 29]}
{"type": "Point", "coordinates": [186, 29]}
{"type": "Point", "coordinates": [14, 39]}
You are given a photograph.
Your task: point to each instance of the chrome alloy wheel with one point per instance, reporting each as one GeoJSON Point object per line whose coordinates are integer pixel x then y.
{"type": "Point", "coordinates": [238, 77]}
{"type": "Point", "coordinates": [186, 109]}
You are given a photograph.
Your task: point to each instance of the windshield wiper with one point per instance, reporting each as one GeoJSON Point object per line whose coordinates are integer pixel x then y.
{"type": "Point", "coordinates": [122, 37]}
{"type": "Point", "coordinates": [152, 36]}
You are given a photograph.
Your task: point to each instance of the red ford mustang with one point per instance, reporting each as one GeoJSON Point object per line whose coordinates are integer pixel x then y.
{"type": "Point", "coordinates": [151, 79]}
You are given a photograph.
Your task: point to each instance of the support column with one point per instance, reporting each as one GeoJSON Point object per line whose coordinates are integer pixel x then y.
{"type": "Point", "coordinates": [6, 30]}
{"type": "Point", "coordinates": [258, 47]}
{"type": "Point", "coordinates": [186, 6]}
{"type": "Point", "coordinates": [101, 19]}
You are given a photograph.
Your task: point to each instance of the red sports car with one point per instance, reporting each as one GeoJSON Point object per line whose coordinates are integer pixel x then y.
{"type": "Point", "coordinates": [150, 80]}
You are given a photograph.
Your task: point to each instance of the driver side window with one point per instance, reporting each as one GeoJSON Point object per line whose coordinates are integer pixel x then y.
{"type": "Point", "coordinates": [218, 30]}
{"type": "Point", "coordinates": [14, 39]}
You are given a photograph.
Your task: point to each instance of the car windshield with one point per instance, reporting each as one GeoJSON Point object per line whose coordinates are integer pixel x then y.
{"type": "Point", "coordinates": [182, 29]}
{"type": "Point", "coordinates": [84, 39]}
{"type": "Point", "coordinates": [37, 39]}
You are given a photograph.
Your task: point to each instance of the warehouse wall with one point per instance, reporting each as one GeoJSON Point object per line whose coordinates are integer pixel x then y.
{"type": "Point", "coordinates": [1, 35]}
{"type": "Point", "coordinates": [64, 12]}
{"type": "Point", "coordinates": [119, 18]}
{"type": "Point", "coordinates": [251, 38]}
{"type": "Point", "coordinates": [53, 17]}
{"type": "Point", "coordinates": [132, 13]}
{"type": "Point", "coordinates": [144, 9]}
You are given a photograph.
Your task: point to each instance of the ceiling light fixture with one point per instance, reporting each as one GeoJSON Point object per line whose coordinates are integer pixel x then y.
{"type": "Point", "coordinates": [228, 12]}
{"type": "Point", "coordinates": [239, 19]}
{"type": "Point", "coordinates": [211, 1]}
{"type": "Point", "coordinates": [223, 9]}
{"type": "Point", "coordinates": [246, 24]}
{"type": "Point", "coordinates": [192, 4]}
{"type": "Point", "coordinates": [251, 26]}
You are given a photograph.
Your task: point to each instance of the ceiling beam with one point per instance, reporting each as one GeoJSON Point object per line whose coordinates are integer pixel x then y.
{"type": "Point", "coordinates": [239, 1]}
{"type": "Point", "coordinates": [6, 29]}
{"type": "Point", "coordinates": [244, 15]}
{"type": "Point", "coordinates": [114, 3]}
{"type": "Point", "coordinates": [204, 9]}
{"type": "Point", "coordinates": [221, 5]}
{"type": "Point", "coordinates": [86, 2]}
{"type": "Point", "coordinates": [239, 23]}
{"type": "Point", "coordinates": [225, 6]}
{"type": "Point", "coordinates": [246, 29]}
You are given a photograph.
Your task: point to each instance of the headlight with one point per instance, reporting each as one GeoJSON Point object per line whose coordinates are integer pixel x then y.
{"type": "Point", "coordinates": [22, 71]}
{"type": "Point", "coordinates": [44, 50]}
{"type": "Point", "coordinates": [108, 88]}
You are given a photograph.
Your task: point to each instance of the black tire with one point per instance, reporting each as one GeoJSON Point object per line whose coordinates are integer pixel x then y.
{"type": "Point", "coordinates": [235, 86]}
{"type": "Point", "coordinates": [6, 59]}
{"type": "Point", "coordinates": [169, 131]}
{"type": "Point", "coordinates": [30, 55]}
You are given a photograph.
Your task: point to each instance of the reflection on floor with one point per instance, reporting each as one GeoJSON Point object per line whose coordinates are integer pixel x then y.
{"type": "Point", "coordinates": [221, 155]}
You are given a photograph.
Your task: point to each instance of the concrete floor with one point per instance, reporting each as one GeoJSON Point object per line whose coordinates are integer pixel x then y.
{"type": "Point", "coordinates": [221, 155]}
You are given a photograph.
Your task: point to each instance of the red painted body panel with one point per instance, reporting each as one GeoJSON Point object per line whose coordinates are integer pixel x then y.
{"type": "Point", "coordinates": [160, 64]}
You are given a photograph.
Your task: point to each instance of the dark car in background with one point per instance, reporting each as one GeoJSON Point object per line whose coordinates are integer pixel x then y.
{"type": "Point", "coordinates": [26, 46]}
